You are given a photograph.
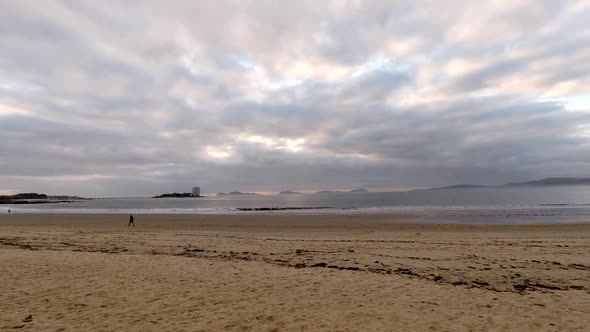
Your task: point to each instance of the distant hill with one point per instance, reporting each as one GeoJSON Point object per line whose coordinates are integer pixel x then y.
{"type": "Point", "coordinates": [360, 190]}
{"type": "Point", "coordinates": [554, 182]}
{"type": "Point", "coordinates": [236, 193]}
{"type": "Point", "coordinates": [537, 183]}
{"type": "Point", "coordinates": [288, 192]}
{"type": "Point", "coordinates": [463, 186]}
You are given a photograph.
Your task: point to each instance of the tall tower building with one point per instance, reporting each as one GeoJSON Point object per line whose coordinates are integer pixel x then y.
{"type": "Point", "coordinates": [196, 191]}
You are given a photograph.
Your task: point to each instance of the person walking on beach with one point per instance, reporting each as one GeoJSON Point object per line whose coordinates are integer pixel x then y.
{"type": "Point", "coordinates": [131, 221]}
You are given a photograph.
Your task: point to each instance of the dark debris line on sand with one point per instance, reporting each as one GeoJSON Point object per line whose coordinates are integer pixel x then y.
{"type": "Point", "coordinates": [380, 269]}
{"type": "Point", "coordinates": [293, 260]}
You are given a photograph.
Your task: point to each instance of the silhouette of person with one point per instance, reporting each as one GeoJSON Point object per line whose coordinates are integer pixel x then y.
{"type": "Point", "coordinates": [8, 211]}
{"type": "Point", "coordinates": [131, 221]}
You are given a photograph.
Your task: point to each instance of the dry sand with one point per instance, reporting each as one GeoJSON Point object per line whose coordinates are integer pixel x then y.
{"type": "Point", "coordinates": [292, 273]}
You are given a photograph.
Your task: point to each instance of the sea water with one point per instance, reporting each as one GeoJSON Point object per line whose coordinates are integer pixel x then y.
{"type": "Point", "coordinates": [492, 204]}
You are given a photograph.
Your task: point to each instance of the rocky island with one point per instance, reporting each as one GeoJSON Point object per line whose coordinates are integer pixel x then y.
{"type": "Point", "coordinates": [176, 195]}
{"type": "Point", "coordinates": [289, 192]}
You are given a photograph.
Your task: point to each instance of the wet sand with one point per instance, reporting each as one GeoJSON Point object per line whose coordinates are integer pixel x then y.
{"type": "Point", "coordinates": [290, 272]}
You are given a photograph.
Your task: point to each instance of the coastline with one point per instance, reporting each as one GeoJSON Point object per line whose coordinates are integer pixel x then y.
{"type": "Point", "coordinates": [290, 272]}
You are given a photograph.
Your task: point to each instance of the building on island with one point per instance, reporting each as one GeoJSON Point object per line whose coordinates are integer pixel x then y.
{"type": "Point", "coordinates": [196, 191]}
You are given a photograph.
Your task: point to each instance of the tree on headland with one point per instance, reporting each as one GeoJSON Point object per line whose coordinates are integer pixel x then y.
{"type": "Point", "coordinates": [23, 196]}
{"type": "Point", "coordinates": [35, 198]}
{"type": "Point", "coordinates": [29, 196]}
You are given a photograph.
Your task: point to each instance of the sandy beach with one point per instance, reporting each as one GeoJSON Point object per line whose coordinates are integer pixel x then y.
{"type": "Point", "coordinates": [290, 273]}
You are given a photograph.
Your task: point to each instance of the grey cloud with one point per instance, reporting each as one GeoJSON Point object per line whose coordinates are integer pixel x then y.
{"type": "Point", "coordinates": [130, 97]}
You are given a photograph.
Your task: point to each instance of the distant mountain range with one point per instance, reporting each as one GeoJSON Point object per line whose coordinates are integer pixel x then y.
{"type": "Point", "coordinates": [462, 186]}
{"type": "Point", "coordinates": [236, 193]}
{"type": "Point", "coordinates": [534, 183]}
{"type": "Point", "coordinates": [554, 182]}
{"type": "Point", "coordinates": [342, 192]}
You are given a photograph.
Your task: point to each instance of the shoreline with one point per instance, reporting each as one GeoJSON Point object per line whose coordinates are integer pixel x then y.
{"type": "Point", "coordinates": [369, 217]}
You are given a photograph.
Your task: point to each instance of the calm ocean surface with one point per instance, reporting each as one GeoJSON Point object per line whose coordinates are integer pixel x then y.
{"type": "Point", "coordinates": [512, 204]}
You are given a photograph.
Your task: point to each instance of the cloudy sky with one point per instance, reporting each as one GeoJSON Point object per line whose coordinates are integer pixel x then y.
{"type": "Point", "coordinates": [105, 98]}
